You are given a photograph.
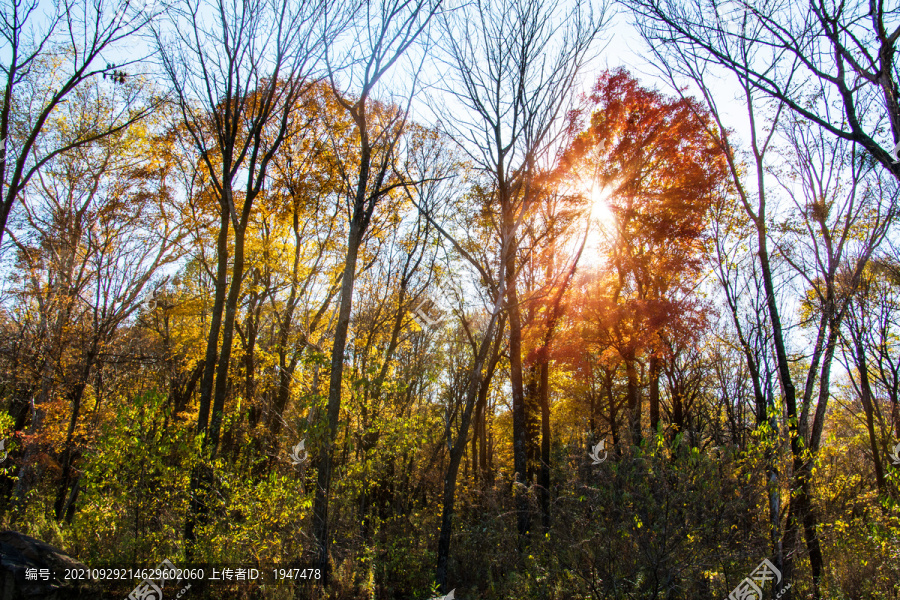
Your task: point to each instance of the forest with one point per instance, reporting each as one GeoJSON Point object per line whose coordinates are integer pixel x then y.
{"type": "Point", "coordinates": [409, 299]}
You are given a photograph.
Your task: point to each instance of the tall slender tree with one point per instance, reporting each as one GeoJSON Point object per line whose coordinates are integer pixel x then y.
{"type": "Point", "coordinates": [383, 33]}
{"type": "Point", "coordinates": [236, 69]}
{"type": "Point", "coordinates": [514, 66]}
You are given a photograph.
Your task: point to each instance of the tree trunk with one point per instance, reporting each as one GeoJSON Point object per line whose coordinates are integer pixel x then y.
{"type": "Point", "coordinates": [457, 449]}
{"type": "Point", "coordinates": [68, 456]}
{"type": "Point", "coordinates": [181, 395]}
{"type": "Point", "coordinates": [481, 407]}
{"type": "Point", "coordinates": [634, 403]}
{"type": "Point", "coordinates": [613, 413]}
{"type": "Point", "coordinates": [520, 458]}
{"type": "Point", "coordinates": [544, 478]}
{"type": "Point", "coordinates": [234, 291]}
{"type": "Point", "coordinates": [323, 489]}
{"type": "Point", "coordinates": [654, 393]}
{"type": "Point", "coordinates": [532, 422]}
{"type": "Point", "coordinates": [212, 340]}
{"type": "Point", "coordinates": [477, 419]}
{"type": "Point", "coordinates": [799, 503]}
{"type": "Point", "coordinates": [678, 417]}
{"type": "Point", "coordinates": [200, 475]}
{"type": "Point", "coordinates": [211, 441]}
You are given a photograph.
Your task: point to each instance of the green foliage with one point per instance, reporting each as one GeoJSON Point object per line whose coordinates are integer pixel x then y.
{"type": "Point", "coordinates": [135, 477]}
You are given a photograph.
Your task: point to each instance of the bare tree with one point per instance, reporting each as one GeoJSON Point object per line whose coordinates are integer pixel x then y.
{"type": "Point", "coordinates": [513, 68]}
{"type": "Point", "coordinates": [860, 326]}
{"type": "Point", "coordinates": [845, 212]}
{"type": "Point", "coordinates": [811, 55]}
{"type": "Point", "coordinates": [47, 56]}
{"type": "Point", "coordinates": [480, 327]}
{"type": "Point", "coordinates": [869, 347]}
{"type": "Point", "coordinates": [485, 337]}
{"type": "Point", "coordinates": [839, 213]}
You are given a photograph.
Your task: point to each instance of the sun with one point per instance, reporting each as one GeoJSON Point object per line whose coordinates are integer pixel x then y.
{"type": "Point", "coordinates": [600, 222]}
{"type": "Point", "coordinates": [601, 214]}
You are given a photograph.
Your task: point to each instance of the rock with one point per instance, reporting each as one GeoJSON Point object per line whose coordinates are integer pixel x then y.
{"type": "Point", "coordinates": [19, 552]}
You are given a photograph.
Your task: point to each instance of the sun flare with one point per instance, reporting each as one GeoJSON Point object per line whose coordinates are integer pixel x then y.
{"type": "Point", "coordinates": [601, 214]}
{"type": "Point", "coordinates": [599, 221]}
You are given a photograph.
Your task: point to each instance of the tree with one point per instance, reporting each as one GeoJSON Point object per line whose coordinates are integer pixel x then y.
{"type": "Point", "coordinates": [839, 190]}
{"type": "Point", "coordinates": [550, 227]}
{"type": "Point", "coordinates": [236, 100]}
{"type": "Point", "coordinates": [660, 172]}
{"type": "Point", "coordinates": [514, 66]}
{"type": "Point", "coordinates": [868, 347]}
{"type": "Point", "coordinates": [387, 31]}
{"type": "Point", "coordinates": [301, 205]}
{"type": "Point", "coordinates": [807, 56]}
{"type": "Point", "coordinates": [95, 231]}
{"type": "Point", "coordinates": [882, 337]}
{"type": "Point", "coordinates": [45, 61]}
{"type": "Point", "coordinates": [482, 329]}
{"type": "Point", "coordinates": [847, 211]}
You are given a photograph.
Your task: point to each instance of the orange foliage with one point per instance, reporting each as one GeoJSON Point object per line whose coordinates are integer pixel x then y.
{"type": "Point", "coordinates": [654, 156]}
